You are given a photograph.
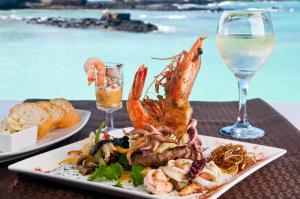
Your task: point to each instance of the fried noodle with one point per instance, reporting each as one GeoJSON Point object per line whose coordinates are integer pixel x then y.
{"type": "Point", "coordinates": [231, 156]}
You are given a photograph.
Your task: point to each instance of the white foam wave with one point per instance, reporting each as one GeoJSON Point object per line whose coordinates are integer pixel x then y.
{"type": "Point", "coordinates": [269, 9]}
{"type": "Point", "coordinates": [15, 17]}
{"type": "Point", "coordinates": [166, 29]}
{"type": "Point", "coordinates": [186, 6]}
{"type": "Point", "coordinates": [143, 16]}
{"type": "Point", "coordinates": [171, 17]}
{"type": "Point", "coordinates": [3, 17]}
{"type": "Point", "coordinates": [223, 3]}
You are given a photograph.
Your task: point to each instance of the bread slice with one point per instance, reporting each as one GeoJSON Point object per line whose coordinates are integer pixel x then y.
{"type": "Point", "coordinates": [57, 113]}
{"type": "Point", "coordinates": [71, 116]}
{"type": "Point", "coordinates": [32, 114]}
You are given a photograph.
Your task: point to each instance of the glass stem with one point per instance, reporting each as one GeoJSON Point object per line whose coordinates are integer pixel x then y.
{"type": "Point", "coordinates": [109, 120]}
{"type": "Point", "coordinates": [243, 84]}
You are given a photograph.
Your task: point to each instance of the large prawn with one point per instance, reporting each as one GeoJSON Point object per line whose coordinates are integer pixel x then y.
{"type": "Point", "coordinates": [173, 109]}
{"type": "Point", "coordinates": [95, 71]}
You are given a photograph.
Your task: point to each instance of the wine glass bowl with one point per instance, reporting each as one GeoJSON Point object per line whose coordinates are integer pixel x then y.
{"type": "Point", "coordinates": [245, 40]}
{"type": "Point", "coordinates": [109, 94]}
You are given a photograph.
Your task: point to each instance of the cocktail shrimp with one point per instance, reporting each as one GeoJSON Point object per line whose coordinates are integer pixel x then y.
{"type": "Point", "coordinates": [95, 67]}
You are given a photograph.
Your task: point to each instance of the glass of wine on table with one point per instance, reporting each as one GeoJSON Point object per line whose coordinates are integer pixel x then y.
{"type": "Point", "coordinates": [245, 40]}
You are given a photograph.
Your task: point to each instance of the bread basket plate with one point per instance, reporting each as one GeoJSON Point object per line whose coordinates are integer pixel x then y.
{"type": "Point", "coordinates": [46, 166]}
{"type": "Point", "coordinates": [51, 138]}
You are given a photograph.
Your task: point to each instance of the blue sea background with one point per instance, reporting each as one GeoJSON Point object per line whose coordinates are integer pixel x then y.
{"type": "Point", "coordinates": [39, 61]}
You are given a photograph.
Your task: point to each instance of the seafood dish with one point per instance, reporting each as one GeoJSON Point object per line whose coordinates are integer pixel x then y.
{"type": "Point", "coordinates": [108, 83]}
{"type": "Point", "coordinates": [163, 151]}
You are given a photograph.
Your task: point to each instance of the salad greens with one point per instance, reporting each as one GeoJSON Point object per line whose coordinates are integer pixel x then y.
{"type": "Point", "coordinates": [114, 170]}
{"type": "Point", "coordinates": [137, 176]}
{"type": "Point", "coordinates": [111, 172]}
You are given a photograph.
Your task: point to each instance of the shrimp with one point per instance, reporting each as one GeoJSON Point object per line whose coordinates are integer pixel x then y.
{"type": "Point", "coordinates": [157, 182]}
{"type": "Point", "coordinates": [139, 116]}
{"type": "Point", "coordinates": [95, 67]}
{"type": "Point", "coordinates": [177, 79]}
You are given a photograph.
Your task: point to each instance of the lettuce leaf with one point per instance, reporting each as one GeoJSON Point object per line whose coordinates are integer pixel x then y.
{"type": "Point", "coordinates": [112, 172]}
{"type": "Point", "coordinates": [137, 176]}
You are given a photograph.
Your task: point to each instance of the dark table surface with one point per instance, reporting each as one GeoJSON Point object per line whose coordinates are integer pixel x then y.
{"type": "Point", "coordinates": [279, 179]}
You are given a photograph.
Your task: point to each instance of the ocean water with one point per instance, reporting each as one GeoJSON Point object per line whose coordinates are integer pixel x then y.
{"type": "Point", "coordinates": [39, 61]}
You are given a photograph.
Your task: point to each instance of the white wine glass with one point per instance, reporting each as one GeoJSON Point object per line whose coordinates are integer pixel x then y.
{"type": "Point", "coordinates": [245, 39]}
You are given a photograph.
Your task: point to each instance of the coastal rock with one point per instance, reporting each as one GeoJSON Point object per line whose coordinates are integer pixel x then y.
{"type": "Point", "coordinates": [112, 21]}
{"type": "Point", "coordinates": [161, 5]}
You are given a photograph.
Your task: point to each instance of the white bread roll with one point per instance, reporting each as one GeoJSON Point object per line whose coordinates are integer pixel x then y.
{"type": "Point", "coordinates": [57, 113]}
{"type": "Point", "coordinates": [71, 116]}
{"type": "Point", "coordinates": [33, 115]}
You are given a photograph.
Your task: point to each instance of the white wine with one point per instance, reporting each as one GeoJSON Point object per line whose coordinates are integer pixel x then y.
{"type": "Point", "coordinates": [244, 54]}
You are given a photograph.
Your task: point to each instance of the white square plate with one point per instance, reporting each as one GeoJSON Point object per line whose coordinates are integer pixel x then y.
{"type": "Point", "coordinates": [46, 165]}
{"type": "Point", "coordinates": [51, 138]}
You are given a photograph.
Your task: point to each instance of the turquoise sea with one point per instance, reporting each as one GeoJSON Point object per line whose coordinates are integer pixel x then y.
{"type": "Point", "coordinates": [39, 61]}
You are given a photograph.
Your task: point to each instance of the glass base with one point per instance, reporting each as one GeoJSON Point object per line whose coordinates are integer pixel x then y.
{"type": "Point", "coordinates": [242, 131]}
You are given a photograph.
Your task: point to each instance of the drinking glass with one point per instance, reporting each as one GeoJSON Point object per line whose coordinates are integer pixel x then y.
{"type": "Point", "coordinates": [245, 40]}
{"type": "Point", "coordinates": [109, 95]}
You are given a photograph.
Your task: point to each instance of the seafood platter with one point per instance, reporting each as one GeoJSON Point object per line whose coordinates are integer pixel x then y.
{"type": "Point", "coordinates": [162, 154]}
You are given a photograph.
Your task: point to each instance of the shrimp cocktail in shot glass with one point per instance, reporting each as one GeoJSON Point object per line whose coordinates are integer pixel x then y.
{"type": "Point", "coordinates": [108, 78]}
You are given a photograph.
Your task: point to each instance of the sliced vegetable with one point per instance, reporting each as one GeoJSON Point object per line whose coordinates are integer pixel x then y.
{"type": "Point", "coordinates": [97, 146]}
{"type": "Point", "coordinates": [137, 176]}
{"type": "Point", "coordinates": [101, 126]}
{"type": "Point", "coordinates": [121, 150]}
{"type": "Point", "coordinates": [122, 142]}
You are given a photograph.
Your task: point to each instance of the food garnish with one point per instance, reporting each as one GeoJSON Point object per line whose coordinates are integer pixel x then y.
{"type": "Point", "coordinates": [70, 160]}
{"type": "Point", "coordinates": [137, 175]}
{"type": "Point", "coordinates": [111, 172]}
{"type": "Point", "coordinates": [97, 137]}
{"type": "Point", "coordinates": [197, 167]}
{"type": "Point", "coordinates": [231, 156]}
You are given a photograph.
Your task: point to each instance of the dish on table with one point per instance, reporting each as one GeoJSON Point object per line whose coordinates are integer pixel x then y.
{"type": "Point", "coordinates": [49, 165]}
{"type": "Point", "coordinates": [52, 121]}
